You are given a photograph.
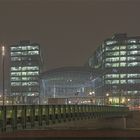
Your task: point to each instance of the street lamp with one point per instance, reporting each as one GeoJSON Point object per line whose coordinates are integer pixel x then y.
{"type": "Point", "coordinates": [3, 88]}
{"type": "Point", "coordinates": [107, 97]}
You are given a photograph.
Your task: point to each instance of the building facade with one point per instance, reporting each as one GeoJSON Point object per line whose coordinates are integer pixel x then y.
{"type": "Point", "coordinates": [118, 59]}
{"type": "Point", "coordinates": [26, 65]}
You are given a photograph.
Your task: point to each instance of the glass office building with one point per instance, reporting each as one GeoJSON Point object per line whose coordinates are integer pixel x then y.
{"type": "Point", "coordinates": [118, 59]}
{"type": "Point", "coordinates": [25, 70]}
{"type": "Point", "coordinates": [73, 84]}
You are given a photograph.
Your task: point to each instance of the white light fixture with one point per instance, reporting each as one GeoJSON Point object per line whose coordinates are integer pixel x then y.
{"type": "Point", "coordinates": [3, 50]}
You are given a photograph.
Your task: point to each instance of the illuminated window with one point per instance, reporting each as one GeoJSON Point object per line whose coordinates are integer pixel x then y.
{"type": "Point", "coordinates": [122, 52]}
{"type": "Point", "coordinates": [132, 92]}
{"type": "Point", "coordinates": [15, 83]}
{"type": "Point", "coordinates": [108, 81]}
{"type": "Point", "coordinates": [115, 81]}
{"type": "Point", "coordinates": [33, 52]}
{"type": "Point", "coordinates": [116, 53]}
{"type": "Point", "coordinates": [122, 47]}
{"type": "Point", "coordinates": [15, 58]}
{"type": "Point", "coordinates": [115, 65]}
{"type": "Point", "coordinates": [132, 64]}
{"type": "Point", "coordinates": [30, 68]}
{"type": "Point", "coordinates": [25, 53]}
{"type": "Point", "coordinates": [29, 83]}
{"type": "Point", "coordinates": [35, 47]}
{"type": "Point", "coordinates": [123, 75]}
{"type": "Point", "coordinates": [122, 58]}
{"type": "Point", "coordinates": [112, 76]}
{"type": "Point", "coordinates": [15, 73]}
{"type": "Point", "coordinates": [15, 53]}
{"type": "Point", "coordinates": [131, 41]}
{"type": "Point", "coordinates": [112, 59]}
{"type": "Point", "coordinates": [107, 65]}
{"type": "Point", "coordinates": [15, 48]}
{"type": "Point", "coordinates": [112, 81]}
{"type": "Point", "coordinates": [132, 46]}
{"type": "Point", "coordinates": [131, 58]}
{"type": "Point", "coordinates": [112, 65]}
{"type": "Point", "coordinates": [30, 73]}
{"type": "Point", "coordinates": [131, 81]}
{"type": "Point", "coordinates": [133, 52]}
{"type": "Point", "coordinates": [15, 68]}
{"type": "Point", "coordinates": [123, 81]}
{"type": "Point", "coordinates": [122, 64]}
{"type": "Point", "coordinates": [29, 78]}
{"type": "Point", "coordinates": [24, 48]}
{"type": "Point", "coordinates": [111, 42]}
{"type": "Point", "coordinates": [133, 75]}
{"type": "Point", "coordinates": [15, 79]}
{"type": "Point", "coordinates": [115, 48]}
{"type": "Point", "coordinates": [33, 73]}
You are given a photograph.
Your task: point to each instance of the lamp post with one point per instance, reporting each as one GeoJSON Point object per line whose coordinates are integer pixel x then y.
{"type": "Point", "coordinates": [3, 87]}
{"type": "Point", "coordinates": [107, 97]}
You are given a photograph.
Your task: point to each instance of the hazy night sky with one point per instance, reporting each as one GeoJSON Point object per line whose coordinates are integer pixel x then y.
{"type": "Point", "coordinates": [67, 30]}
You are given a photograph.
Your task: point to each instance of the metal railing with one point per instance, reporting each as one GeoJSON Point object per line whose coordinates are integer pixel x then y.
{"type": "Point", "coordinates": [22, 117]}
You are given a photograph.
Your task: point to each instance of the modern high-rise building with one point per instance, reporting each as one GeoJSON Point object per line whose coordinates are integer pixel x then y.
{"type": "Point", "coordinates": [26, 63]}
{"type": "Point", "coordinates": [118, 60]}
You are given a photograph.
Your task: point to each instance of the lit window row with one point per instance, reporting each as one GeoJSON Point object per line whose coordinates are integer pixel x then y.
{"type": "Point", "coordinates": [24, 83]}
{"type": "Point", "coordinates": [133, 92]}
{"type": "Point", "coordinates": [113, 76]}
{"type": "Point", "coordinates": [25, 93]}
{"type": "Point", "coordinates": [123, 64]}
{"type": "Point", "coordinates": [24, 48]}
{"type": "Point", "coordinates": [24, 53]}
{"type": "Point", "coordinates": [16, 59]}
{"type": "Point", "coordinates": [111, 42]}
{"type": "Point", "coordinates": [24, 73]}
{"type": "Point", "coordinates": [29, 68]}
{"type": "Point", "coordinates": [119, 53]}
{"type": "Point", "coordinates": [114, 59]}
{"type": "Point", "coordinates": [133, 46]}
{"type": "Point", "coordinates": [24, 78]}
{"type": "Point", "coordinates": [129, 81]}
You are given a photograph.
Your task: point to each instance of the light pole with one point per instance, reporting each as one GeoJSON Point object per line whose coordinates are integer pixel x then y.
{"type": "Point", "coordinates": [3, 87]}
{"type": "Point", "coordinates": [107, 97]}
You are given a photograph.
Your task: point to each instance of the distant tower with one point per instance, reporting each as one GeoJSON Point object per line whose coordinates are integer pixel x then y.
{"type": "Point", "coordinates": [25, 70]}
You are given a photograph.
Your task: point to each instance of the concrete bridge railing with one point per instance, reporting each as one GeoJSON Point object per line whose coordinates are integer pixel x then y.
{"type": "Point", "coordinates": [20, 117]}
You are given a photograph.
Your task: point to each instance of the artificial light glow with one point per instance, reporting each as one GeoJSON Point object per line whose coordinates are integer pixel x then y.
{"type": "Point", "coordinates": [90, 93]}
{"type": "Point", "coordinates": [69, 102]}
{"type": "Point", "coordinates": [3, 50]}
{"type": "Point", "coordinates": [107, 94]}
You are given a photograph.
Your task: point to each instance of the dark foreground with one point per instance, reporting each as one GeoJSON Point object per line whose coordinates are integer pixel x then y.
{"type": "Point", "coordinates": [95, 129]}
{"type": "Point", "coordinates": [73, 134]}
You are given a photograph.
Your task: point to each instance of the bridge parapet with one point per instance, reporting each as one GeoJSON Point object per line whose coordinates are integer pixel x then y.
{"type": "Point", "coordinates": [22, 117]}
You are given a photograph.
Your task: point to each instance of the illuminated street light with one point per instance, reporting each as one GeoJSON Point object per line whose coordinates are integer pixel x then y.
{"type": "Point", "coordinates": [3, 51]}
{"type": "Point", "coordinates": [107, 94]}
{"type": "Point", "coordinates": [128, 100]}
{"type": "Point", "coordinates": [3, 55]}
